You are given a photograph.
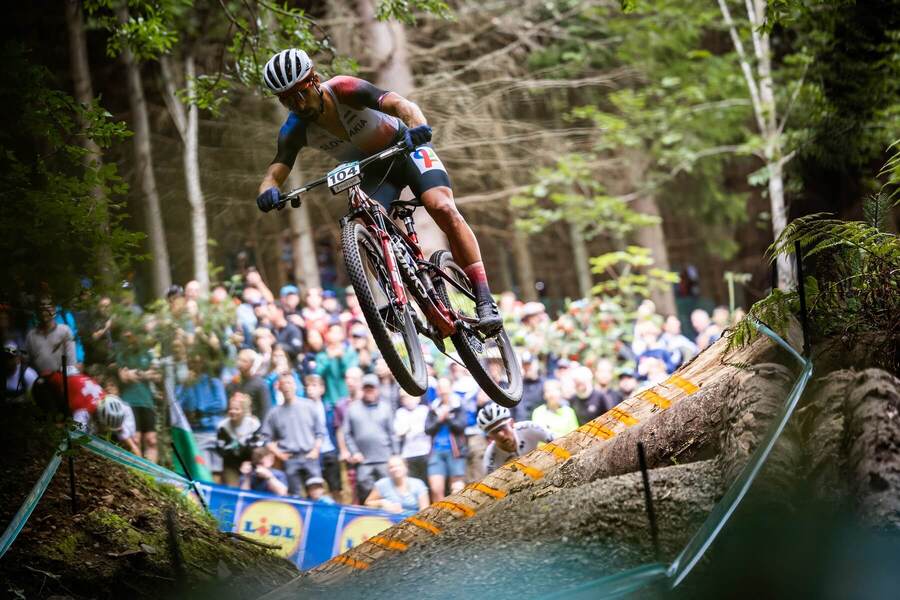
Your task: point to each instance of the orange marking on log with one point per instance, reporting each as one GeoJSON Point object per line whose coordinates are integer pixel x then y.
{"type": "Point", "coordinates": [623, 417]}
{"type": "Point", "coordinates": [424, 525]}
{"type": "Point", "coordinates": [351, 562]}
{"type": "Point", "coordinates": [557, 451]}
{"type": "Point", "coordinates": [455, 506]}
{"type": "Point", "coordinates": [530, 471]}
{"type": "Point", "coordinates": [686, 386]}
{"type": "Point", "coordinates": [486, 489]}
{"type": "Point", "coordinates": [389, 544]}
{"type": "Point", "coordinates": [654, 398]}
{"type": "Point", "coordinates": [596, 431]}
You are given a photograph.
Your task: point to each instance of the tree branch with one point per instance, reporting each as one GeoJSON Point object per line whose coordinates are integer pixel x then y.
{"type": "Point", "coordinates": [173, 104]}
{"type": "Point", "coordinates": [745, 65]}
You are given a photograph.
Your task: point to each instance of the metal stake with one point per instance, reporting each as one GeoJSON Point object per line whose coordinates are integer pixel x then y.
{"type": "Point", "coordinates": [801, 291]}
{"type": "Point", "coordinates": [648, 498]}
{"type": "Point", "coordinates": [190, 477]}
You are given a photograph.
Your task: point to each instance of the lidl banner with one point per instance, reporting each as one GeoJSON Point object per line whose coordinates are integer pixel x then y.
{"type": "Point", "coordinates": [309, 533]}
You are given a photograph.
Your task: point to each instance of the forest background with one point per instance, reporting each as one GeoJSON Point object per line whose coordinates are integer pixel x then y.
{"type": "Point", "coordinates": [591, 144]}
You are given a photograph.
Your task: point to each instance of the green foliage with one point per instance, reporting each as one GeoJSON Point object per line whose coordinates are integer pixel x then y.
{"type": "Point", "coordinates": [403, 10]}
{"type": "Point", "coordinates": [856, 290]}
{"type": "Point", "coordinates": [571, 191]}
{"type": "Point", "coordinates": [52, 227]}
{"type": "Point", "coordinates": [632, 276]}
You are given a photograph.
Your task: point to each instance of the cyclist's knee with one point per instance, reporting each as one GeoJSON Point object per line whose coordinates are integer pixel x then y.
{"type": "Point", "coordinates": [441, 207]}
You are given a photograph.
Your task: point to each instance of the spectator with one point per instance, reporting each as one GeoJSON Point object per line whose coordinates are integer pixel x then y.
{"type": "Point", "coordinates": [397, 492]}
{"type": "Point", "coordinates": [333, 362]}
{"type": "Point", "coordinates": [295, 431]}
{"type": "Point", "coordinates": [590, 401]}
{"type": "Point", "coordinates": [508, 439]}
{"type": "Point", "coordinates": [446, 424]}
{"type": "Point", "coordinates": [259, 475]}
{"type": "Point", "coordinates": [389, 388]}
{"type": "Point", "coordinates": [204, 403]}
{"type": "Point", "coordinates": [248, 382]}
{"type": "Point", "coordinates": [328, 457]}
{"type": "Point", "coordinates": [409, 426]}
{"type": "Point", "coordinates": [563, 374]}
{"type": "Point", "coordinates": [19, 377]}
{"type": "Point", "coordinates": [475, 439]}
{"type": "Point", "coordinates": [353, 380]}
{"type": "Point", "coordinates": [314, 344]}
{"type": "Point", "coordinates": [46, 343]}
{"type": "Point", "coordinates": [246, 313]}
{"type": "Point", "coordinates": [369, 434]}
{"type": "Point", "coordinates": [234, 435]}
{"type": "Point", "coordinates": [354, 311]}
{"type": "Point", "coordinates": [532, 386]}
{"type": "Point", "coordinates": [363, 344]}
{"type": "Point", "coordinates": [331, 306]}
{"type": "Point", "coordinates": [315, 491]}
{"type": "Point", "coordinates": [253, 279]}
{"type": "Point", "coordinates": [603, 378]}
{"type": "Point", "coordinates": [263, 341]}
{"type": "Point", "coordinates": [700, 322]}
{"type": "Point", "coordinates": [627, 383]}
{"type": "Point", "coordinates": [288, 335]}
{"type": "Point", "coordinates": [135, 374]}
{"type": "Point", "coordinates": [8, 331]}
{"type": "Point", "coordinates": [314, 316]}
{"type": "Point", "coordinates": [553, 415]}
{"type": "Point", "coordinates": [290, 303]}
{"type": "Point", "coordinates": [192, 291]}
{"type": "Point", "coordinates": [678, 346]}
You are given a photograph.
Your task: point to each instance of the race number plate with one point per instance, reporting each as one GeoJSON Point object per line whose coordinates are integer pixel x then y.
{"type": "Point", "coordinates": [343, 177]}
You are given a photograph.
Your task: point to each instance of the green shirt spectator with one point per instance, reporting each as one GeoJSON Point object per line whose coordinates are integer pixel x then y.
{"type": "Point", "coordinates": [136, 393]}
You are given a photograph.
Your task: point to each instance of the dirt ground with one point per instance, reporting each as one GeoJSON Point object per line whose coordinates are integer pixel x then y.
{"type": "Point", "coordinates": [117, 544]}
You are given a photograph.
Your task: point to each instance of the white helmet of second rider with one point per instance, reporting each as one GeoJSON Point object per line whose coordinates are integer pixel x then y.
{"type": "Point", "coordinates": [492, 416]}
{"type": "Point", "coordinates": [286, 68]}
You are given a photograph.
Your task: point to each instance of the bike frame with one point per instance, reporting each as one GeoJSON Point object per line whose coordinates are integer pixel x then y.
{"type": "Point", "coordinates": [363, 208]}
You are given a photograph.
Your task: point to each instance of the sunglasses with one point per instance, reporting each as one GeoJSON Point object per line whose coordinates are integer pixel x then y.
{"type": "Point", "coordinates": [297, 89]}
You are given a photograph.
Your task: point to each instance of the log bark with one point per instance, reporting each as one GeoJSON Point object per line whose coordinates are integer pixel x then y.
{"type": "Point", "coordinates": [873, 450]}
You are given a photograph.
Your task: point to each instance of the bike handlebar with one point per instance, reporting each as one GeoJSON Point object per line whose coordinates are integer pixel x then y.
{"type": "Point", "coordinates": [384, 154]}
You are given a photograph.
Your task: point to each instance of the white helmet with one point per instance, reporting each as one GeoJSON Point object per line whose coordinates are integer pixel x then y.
{"type": "Point", "coordinates": [286, 68]}
{"type": "Point", "coordinates": [111, 413]}
{"type": "Point", "coordinates": [491, 416]}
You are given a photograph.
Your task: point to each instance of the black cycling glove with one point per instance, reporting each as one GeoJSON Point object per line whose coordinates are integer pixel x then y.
{"type": "Point", "coordinates": [416, 136]}
{"type": "Point", "coordinates": [269, 199]}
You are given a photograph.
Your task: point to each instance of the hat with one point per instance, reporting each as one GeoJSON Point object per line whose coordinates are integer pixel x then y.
{"type": "Point", "coordinates": [527, 357]}
{"type": "Point", "coordinates": [288, 289]}
{"type": "Point", "coordinates": [627, 374]}
{"type": "Point", "coordinates": [532, 308]}
{"type": "Point", "coordinates": [10, 347]}
{"type": "Point", "coordinates": [370, 380]}
{"type": "Point", "coordinates": [315, 481]}
{"type": "Point", "coordinates": [328, 294]}
{"type": "Point", "coordinates": [349, 291]}
{"type": "Point", "coordinates": [563, 363]}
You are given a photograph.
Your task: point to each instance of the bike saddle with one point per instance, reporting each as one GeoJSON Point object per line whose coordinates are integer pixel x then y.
{"type": "Point", "coordinates": [403, 208]}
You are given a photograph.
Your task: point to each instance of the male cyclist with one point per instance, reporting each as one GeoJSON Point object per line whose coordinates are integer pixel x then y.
{"type": "Point", "coordinates": [351, 119]}
{"type": "Point", "coordinates": [508, 439]}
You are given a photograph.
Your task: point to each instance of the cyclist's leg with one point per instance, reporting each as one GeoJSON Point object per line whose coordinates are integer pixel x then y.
{"type": "Point", "coordinates": [430, 182]}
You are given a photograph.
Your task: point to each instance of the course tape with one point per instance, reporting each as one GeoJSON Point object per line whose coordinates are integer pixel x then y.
{"type": "Point", "coordinates": [31, 501]}
{"type": "Point", "coordinates": [114, 453]}
{"type": "Point", "coordinates": [616, 585]}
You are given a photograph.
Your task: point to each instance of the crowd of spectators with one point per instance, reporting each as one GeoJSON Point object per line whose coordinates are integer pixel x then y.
{"type": "Point", "coordinates": [288, 394]}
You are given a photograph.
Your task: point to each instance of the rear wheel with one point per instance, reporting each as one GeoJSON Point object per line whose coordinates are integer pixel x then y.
{"type": "Point", "coordinates": [491, 360]}
{"type": "Point", "coordinates": [391, 326]}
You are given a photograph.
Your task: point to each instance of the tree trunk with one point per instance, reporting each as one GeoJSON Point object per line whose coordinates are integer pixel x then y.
{"type": "Point", "coordinates": [162, 277]}
{"type": "Point", "coordinates": [654, 238]}
{"type": "Point", "coordinates": [390, 61]}
{"type": "Point", "coordinates": [306, 267]}
{"type": "Point", "coordinates": [524, 264]}
{"type": "Point", "coordinates": [582, 262]}
{"type": "Point", "coordinates": [84, 94]}
{"type": "Point", "coordinates": [186, 121]}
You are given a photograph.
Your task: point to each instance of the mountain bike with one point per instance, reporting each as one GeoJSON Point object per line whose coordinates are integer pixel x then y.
{"type": "Point", "coordinates": [402, 294]}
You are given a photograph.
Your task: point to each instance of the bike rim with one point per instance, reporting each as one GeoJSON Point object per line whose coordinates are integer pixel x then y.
{"type": "Point", "coordinates": [382, 294]}
{"type": "Point", "coordinates": [494, 354]}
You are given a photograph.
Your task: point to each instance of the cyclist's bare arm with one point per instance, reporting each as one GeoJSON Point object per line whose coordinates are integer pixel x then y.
{"type": "Point", "coordinates": [276, 175]}
{"type": "Point", "coordinates": [409, 112]}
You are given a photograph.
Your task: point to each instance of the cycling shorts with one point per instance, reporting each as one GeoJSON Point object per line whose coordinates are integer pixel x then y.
{"type": "Point", "coordinates": [421, 170]}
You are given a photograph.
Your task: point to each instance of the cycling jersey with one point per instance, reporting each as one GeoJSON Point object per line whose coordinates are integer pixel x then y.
{"type": "Point", "coordinates": [528, 436]}
{"type": "Point", "coordinates": [358, 105]}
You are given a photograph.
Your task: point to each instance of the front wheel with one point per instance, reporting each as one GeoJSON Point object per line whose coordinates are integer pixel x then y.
{"type": "Point", "coordinates": [491, 361]}
{"type": "Point", "coordinates": [391, 326]}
